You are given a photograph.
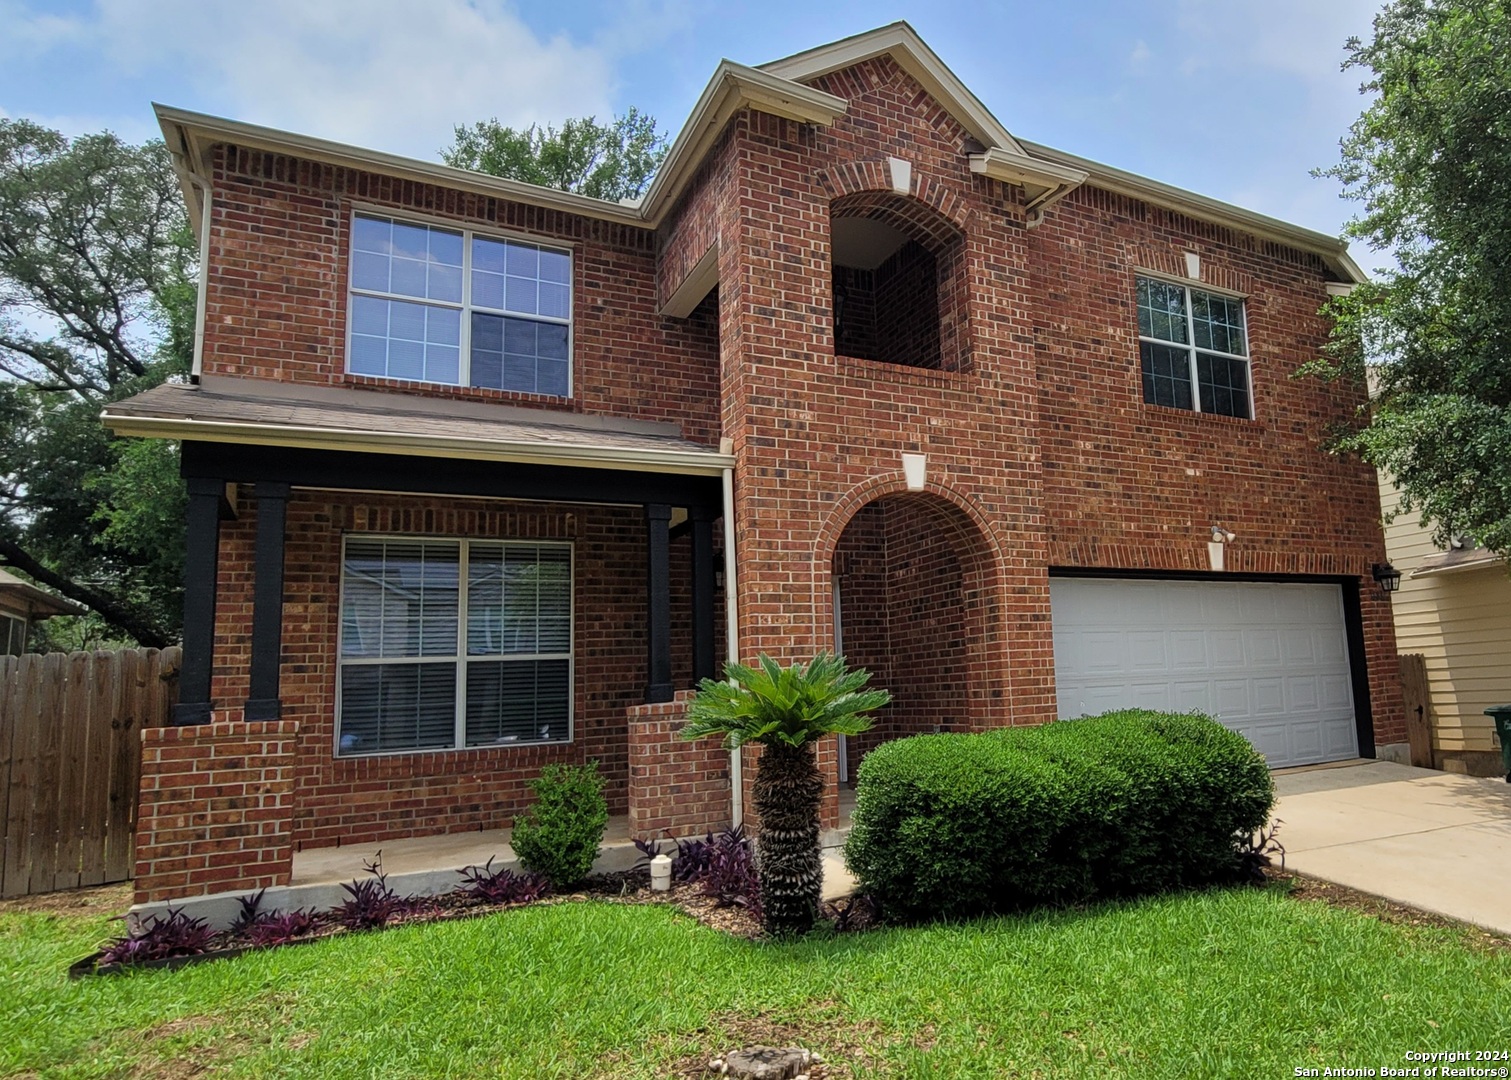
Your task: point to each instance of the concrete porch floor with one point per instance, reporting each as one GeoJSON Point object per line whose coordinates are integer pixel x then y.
{"type": "Point", "coordinates": [447, 852]}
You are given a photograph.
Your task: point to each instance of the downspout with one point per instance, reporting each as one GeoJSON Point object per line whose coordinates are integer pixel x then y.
{"type": "Point", "coordinates": [206, 200]}
{"type": "Point", "coordinates": [731, 639]}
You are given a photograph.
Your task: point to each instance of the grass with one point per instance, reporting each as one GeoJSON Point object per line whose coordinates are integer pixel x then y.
{"type": "Point", "coordinates": [1225, 983]}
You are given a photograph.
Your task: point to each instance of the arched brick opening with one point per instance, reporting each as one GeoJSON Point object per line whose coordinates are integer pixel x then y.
{"type": "Point", "coordinates": [914, 604]}
{"type": "Point", "coordinates": [899, 282]}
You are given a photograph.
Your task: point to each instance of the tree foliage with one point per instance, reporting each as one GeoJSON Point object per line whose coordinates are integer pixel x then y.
{"type": "Point", "coordinates": [1430, 162]}
{"type": "Point", "coordinates": [604, 161]}
{"type": "Point", "coordinates": [96, 304]}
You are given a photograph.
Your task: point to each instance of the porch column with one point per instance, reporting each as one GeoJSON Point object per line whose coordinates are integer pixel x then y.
{"type": "Point", "coordinates": [658, 687]}
{"type": "Point", "coordinates": [267, 602]}
{"type": "Point", "coordinates": [703, 593]}
{"type": "Point", "coordinates": [201, 558]}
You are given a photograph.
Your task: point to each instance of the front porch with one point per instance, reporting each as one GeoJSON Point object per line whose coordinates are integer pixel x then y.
{"type": "Point", "coordinates": [397, 615]}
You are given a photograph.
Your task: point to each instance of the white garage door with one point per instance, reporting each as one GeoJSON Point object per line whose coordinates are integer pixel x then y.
{"type": "Point", "coordinates": [1269, 660]}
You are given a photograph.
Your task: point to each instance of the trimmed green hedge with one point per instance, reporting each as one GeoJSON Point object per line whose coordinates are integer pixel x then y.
{"type": "Point", "coordinates": [1127, 802]}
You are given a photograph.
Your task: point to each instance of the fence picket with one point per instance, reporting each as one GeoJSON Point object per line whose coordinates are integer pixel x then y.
{"type": "Point", "coordinates": [70, 762]}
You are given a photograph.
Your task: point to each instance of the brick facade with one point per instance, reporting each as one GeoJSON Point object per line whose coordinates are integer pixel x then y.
{"type": "Point", "coordinates": [216, 808]}
{"type": "Point", "coordinates": [677, 788]}
{"type": "Point", "coordinates": [1004, 351]}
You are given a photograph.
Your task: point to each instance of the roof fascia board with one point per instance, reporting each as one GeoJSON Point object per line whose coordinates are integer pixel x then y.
{"type": "Point", "coordinates": [197, 131]}
{"type": "Point", "coordinates": [682, 462]}
{"type": "Point", "coordinates": [915, 57]}
{"type": "Point", "coordinates": [1332, 249]}
{"type": "Point", "coordinates": [732, 88]}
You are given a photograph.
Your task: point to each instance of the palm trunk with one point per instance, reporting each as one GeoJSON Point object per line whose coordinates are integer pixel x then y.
{"type": "Point", "coordinates": [788, 787]}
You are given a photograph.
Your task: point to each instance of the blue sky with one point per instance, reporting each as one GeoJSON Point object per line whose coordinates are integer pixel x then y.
{"type": "Point", "coordinates": [1236, 99]}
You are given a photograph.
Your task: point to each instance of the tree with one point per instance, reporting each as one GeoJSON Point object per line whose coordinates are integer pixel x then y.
{"type": "Point", "coordinates": [1430, 160]}
{"type": "Point", "coordinates": [786, 711]}
{"type": "Point", "coordinates": [96, 304]}
{"type": "Point", "coordinates": [604, 161]}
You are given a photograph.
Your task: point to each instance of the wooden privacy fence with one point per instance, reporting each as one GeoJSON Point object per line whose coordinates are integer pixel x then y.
{"type": "Point", "coordinates": [71, 760]}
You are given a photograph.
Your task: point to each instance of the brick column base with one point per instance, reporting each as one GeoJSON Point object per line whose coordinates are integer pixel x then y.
{"type": "Point", "coordinates": [216, 810]}
{"type": "Point", "coordinates": [676, 787]}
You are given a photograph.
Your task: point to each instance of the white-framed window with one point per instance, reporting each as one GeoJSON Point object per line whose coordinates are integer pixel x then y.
{"type": "Point", "coordinates": [448, 644]}
{"type": "Point", "coordinates": [1194, 349]}
{"type": "Point", "coordinates": [450, 305]}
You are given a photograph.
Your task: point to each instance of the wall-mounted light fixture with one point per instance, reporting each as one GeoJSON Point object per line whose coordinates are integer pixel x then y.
{"type": "Point", "coordinates": [1217, 547]}
{"type": "Point", "coordinates": [1386, 576]}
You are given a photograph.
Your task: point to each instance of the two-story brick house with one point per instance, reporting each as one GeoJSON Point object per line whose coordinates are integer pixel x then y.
{"type": "Point", "coordinates": [482, 474]}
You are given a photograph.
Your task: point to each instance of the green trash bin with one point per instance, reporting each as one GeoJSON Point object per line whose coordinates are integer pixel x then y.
{"type": "Point", "coordinates": [1501, 714]}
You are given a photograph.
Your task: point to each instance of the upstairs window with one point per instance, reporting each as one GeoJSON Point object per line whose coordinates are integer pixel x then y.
{"type": "Point", "coordinates": [450, 306]}
{"type": "Point", "coordinates": [1194, 349]}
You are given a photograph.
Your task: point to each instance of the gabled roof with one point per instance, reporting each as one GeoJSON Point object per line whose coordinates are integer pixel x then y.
{"type": "Point", "coordinates": [782, 89]}
{"type": "Point", "coordinates": [902, 43]}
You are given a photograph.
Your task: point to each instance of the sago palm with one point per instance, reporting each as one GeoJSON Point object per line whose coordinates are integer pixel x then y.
{"type": "Point", "coordinates": [786, 711]}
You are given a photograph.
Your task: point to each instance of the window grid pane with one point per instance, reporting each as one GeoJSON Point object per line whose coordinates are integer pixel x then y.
{"type": "Point", "coordinates": [1224, 385]}
{"type": "Point", "coordinates": [407, 336]}
{"type": "Point", "coordinates": [1167, 375]}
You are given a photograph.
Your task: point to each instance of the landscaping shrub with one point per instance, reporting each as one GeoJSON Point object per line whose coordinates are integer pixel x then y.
{"type": "Point", "coordinates": [502, 886]}
{"type": "Point", "coordinates": [1127, 802]}
{"type": "Point", "coordinates": [558, 836]}
{"type": "Point", "coordinates": [160, 938]}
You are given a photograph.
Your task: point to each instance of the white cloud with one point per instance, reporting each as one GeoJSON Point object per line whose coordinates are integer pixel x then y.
{"type": "Point", "coordinates": [384, 73]}
{"type": "Point", "coordinates": [1138, 59]}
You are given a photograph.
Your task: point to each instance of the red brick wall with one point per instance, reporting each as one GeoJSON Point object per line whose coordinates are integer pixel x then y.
{"type": "Point", "coordinates": [907, 308]}
{"type": "Point", "coordinates": [216, 809]}
{"type": "Point", "coordinates": [677, 788]}
{"type": "Point", "coordinates": [276, 297]}
{"type": "Point", "coordinates": [366, 799]}
{"type": "Point", "coordinates": [930, 635]}
{"type": "Point", "coordinates": [860, 568]}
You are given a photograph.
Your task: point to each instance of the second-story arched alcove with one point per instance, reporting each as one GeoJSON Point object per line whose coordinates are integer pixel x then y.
{"type": "Point", "coordinates": [899, 282]}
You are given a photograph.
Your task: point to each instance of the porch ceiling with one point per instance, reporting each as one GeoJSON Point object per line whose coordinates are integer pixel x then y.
{"type": "Point", "coordinates": [252, 412]}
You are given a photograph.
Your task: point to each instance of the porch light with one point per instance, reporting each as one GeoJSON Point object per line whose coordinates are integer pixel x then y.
{"type": "Point", "coordinates": [1387, 577]}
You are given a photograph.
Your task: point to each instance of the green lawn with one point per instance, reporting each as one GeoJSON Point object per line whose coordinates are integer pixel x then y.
{"type": "Point", "coordinates": [1228, 983]}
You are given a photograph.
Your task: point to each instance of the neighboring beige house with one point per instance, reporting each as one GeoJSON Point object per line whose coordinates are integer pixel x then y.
{"type": "Point", "coordinates": [1453, 607]}
{"type": "Point", "coordinates": [21, 604]}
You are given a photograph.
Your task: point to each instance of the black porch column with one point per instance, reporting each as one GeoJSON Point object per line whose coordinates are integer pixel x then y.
{"type": "Point", "coordinates": [658, 687]}
{"type": "Point", "coordinates": [201, 558]}
{"type": "Point", "coordinates": [267, 602]}
{"type": "Point", "coordinates": [703, 593]}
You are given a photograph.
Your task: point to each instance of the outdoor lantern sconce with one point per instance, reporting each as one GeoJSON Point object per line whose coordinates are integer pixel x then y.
{"type": "Point", "coordinates": [1387, 577]}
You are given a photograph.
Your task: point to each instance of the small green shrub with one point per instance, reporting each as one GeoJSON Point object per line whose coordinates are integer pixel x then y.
{"type": "Point", "coordinates": [1123, 803]}
{"type": "Point", "coordinates": [559, 835]}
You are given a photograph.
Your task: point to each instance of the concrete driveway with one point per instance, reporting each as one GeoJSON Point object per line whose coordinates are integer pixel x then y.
{"type": "Point", "coordinates": [1431, 840]}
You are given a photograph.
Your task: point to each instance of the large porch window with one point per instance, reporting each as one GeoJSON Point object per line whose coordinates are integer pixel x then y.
{"type": "Point", "coordinates": [427, 664]}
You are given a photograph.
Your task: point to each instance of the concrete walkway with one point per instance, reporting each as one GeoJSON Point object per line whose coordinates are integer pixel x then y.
{"type": "Point", "coordinates": [1436, 841]}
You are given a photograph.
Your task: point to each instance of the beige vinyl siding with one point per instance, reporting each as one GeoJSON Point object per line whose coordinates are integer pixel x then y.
{"type": "Point", "coordinates": [1461, 622]}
